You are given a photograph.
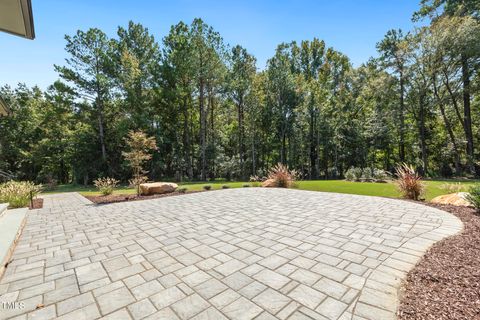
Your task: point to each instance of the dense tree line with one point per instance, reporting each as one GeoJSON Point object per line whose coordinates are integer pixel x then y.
{"type": "Point", "coordinates": [214, 114]}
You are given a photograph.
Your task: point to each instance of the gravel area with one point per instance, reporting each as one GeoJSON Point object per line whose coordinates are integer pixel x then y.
{"type": "Point", "coordinates": [445, 284]}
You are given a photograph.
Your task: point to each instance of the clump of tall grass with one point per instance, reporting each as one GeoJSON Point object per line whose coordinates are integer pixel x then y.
{"type": "Point", "coordinates": [18, 193]}
{"type": "Point", "coordinates": [409, 182]}
{"type": "Point", "coordinates": [453, 187]}
{"type": "Point", "coordinates": [106, 185]}
{"type": "Point", "coordinates": [282, 177]}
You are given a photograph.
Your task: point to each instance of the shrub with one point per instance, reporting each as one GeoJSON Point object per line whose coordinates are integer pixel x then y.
{"type": "Point", "coordinates": [182, 190]}
{"type": "Point", "coordinates": [207, 187]}
{"type": "Point", "coordinates": [135, 182]}
{"type": "Point", "coordinates": [452, 187]}
{"type": "Point", "coordinates": [349, 174]}
{"type": "Point", "coordinates": [225, 186]}
{"type": "Point", "coordinates": [255, 184]}
{"type": "Point", "coordinates": [246, 185]}
{"type": "Point", "coordinates": [380, 175]}
{"type": "Point", "coordinates": [474, 196]}
{"type": "Point", "coordinates": [367, 174]}
{"type": "Point", "coordinates": [353, 174]}
{"type": "Point", "coordinates": [255, 179]}
{"type": "Point", "coordinates": [18, 193]}
{"type": "Point", "coordinates": [282, 176]}
{"type": "Point", "coordinates": [409, 182]}
{"type": "Point", "coordinates": [106, 185]}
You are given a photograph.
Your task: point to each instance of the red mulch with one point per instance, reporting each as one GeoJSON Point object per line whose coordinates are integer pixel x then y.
{"type": "Point", "coordinates": [37, 204]}
{"type": "Point", "coordinates": [132, 197]}
{"type": "Point", "coordinates": [445, 284]}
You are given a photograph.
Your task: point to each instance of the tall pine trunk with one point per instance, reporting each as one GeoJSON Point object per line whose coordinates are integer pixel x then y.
{"type": "Point", "coordinates": [402, 119]}
{"type": "Point", "coordinates": [467, 117]}
{"type": "Point", "coordinates": [203, 131]}
{"type": "Point", "coordinates": [241, 151]}
{"type": "Point", "coordinates": [186, 139]}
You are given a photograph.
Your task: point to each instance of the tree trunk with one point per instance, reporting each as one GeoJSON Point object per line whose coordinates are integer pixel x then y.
{"type": "Point", "coordinates": [186, 140]}
{"type": "Point", "coordinates": [254, 158]}
{"type": "Point", "coordinates": [313, 145]}
{"type": "Point", "coordinates": [402, 120]}
{"type": "Point", "coordinates": [203, 138]}
{"type": "Point", "coordinates": [211, 103]}
{"type": "Point", "coordinates": [241, 152]}
{"type": "Point", "coordinates": [448, 127]}
{"type": "Point", "coordinates": [101, 135]}
{"type": "Point", "coordinates": [423, 144]}
{"type": "Point", "coordinates": [467, 114]}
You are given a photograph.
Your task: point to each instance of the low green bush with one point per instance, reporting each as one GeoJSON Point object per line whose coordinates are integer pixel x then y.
{"type": "Point", "coordinates": [380, 175]}
{"type": "Point", "coordinates": [207, 187]}
{"type": "Point", "coordinates": [225, 186]}
{"type": "Point", "coordinates": [246, 185]}
{"type": "Point", "coordinates": [367, 174]}
{"type": "Point", "coordinates": [182, 190]}
{"type": "Point", "coordinates": [18, 193]}
{"type": "Point", "coordinates": [354, 174]}
{"type": "Point", "coordinates": [474, 196]}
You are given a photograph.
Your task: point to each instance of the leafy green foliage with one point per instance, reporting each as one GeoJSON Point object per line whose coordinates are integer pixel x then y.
{"type": "Point", "coordinates": [215, 115]}
{"type": "Point", "coordinates": [182, 190]}
{"type": "Point", "coordinates": [474, 196]}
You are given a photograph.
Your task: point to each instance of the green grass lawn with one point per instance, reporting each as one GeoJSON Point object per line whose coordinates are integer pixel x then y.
{"type": "Point", "coordinates": [362, 188]}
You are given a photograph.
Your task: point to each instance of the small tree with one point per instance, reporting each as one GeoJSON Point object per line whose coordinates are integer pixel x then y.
{"type": "Point", "coordinates": [140, 146]}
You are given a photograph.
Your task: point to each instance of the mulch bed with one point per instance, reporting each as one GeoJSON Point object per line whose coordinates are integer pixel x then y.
{"type": "Point", "coordinates": [445, 284]}
{"type": "Point", "coordinates": [37, 204]}
{"type": "Point", "coordinates": [133, 197]}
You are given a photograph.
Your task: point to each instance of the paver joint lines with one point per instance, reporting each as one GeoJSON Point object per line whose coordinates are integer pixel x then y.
{"type": "Point", "coordinates": [232, 254]}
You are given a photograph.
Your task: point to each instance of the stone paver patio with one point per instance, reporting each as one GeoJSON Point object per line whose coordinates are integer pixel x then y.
{"type": "Point", "coordinates": [246, 253]}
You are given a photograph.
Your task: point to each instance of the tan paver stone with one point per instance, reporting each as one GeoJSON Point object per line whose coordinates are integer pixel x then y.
{"type": "Point", "coordinates": [74, 303]}
{"type": "Point", "coordinates": [271, 279]}
{"type": "Point", "coordinates": [210, 288]}
{"type": "Point", "coordinates": [210, 314]}
{"type": "Point", "coordinates": [167, 297]}
{"type": "Point", "coordinates": [271, 300]}
{"type": "Point", "coordinates": [114, 300]}
{"type": "Point", "coordinates": [190, 306]}
{"type": "Point", "coordinates": [90, 272]}
{"type": "Point", "coordinates": [307, 296]}
{"type": "Point", "coordinates": [331, 308]}
{"type": "Point", "coordinates": [141, 309]}
{"type": "Point", "coordinates": [89, 312]}
{"type": "Point", "coordinates": [242, 309]}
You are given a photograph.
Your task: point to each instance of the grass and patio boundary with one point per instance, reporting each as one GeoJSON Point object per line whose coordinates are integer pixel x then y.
{"type": "Point", "coordinates": [434, 187]}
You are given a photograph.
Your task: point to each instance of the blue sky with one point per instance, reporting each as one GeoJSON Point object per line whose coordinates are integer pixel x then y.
{"type": "Point", "coordinates": [350, 26]}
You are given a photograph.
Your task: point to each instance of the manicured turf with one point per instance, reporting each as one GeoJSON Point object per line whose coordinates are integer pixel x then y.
{"type": "Point", "coordinates": [434, 187]}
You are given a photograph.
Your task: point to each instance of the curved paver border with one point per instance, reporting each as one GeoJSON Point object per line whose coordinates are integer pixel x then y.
{"type": "Point", "coordinates": [380, 297]}
{"type": "Point", "coordinates": [295, 249]}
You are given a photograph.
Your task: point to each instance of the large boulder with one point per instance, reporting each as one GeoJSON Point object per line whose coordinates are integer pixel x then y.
{"type": "Point", "coordinates": [157, 188]}
{"type": "Point", "coordinates": [456, 199]}
{"type": "Point", "coordinates": [269, 183]}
